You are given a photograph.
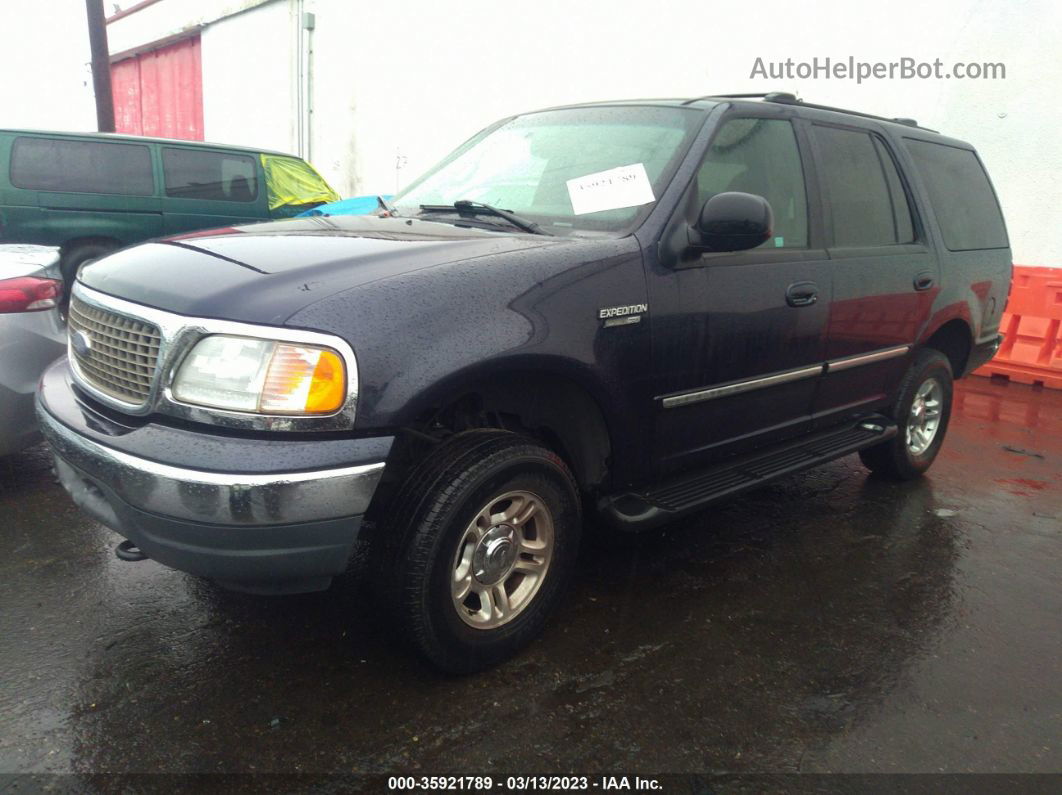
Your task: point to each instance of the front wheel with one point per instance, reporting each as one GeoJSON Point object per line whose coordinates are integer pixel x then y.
{"type": "Point", "coordinates": [922, 411]}
{"type": "Point", "coordinates": [483, 539]}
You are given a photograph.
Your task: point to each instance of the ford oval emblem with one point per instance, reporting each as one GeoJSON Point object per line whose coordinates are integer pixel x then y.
{"type": "Point", "coordinates": [81, 343]}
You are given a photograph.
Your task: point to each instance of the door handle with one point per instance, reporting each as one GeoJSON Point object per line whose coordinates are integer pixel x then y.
{"type": "Point", "coordinates": [802, 294]}
{"type": "Point", "coordinates": [923, 281]}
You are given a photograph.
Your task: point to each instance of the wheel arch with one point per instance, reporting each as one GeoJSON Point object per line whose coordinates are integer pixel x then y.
{"type": "Point", "coordinates": [71, 246]}
{"type": "Point", "coordinates": [543, 399]}
{"type": "Point", "coordinates": [75, 243]}
{"type": "Point", "coordinates": [953, 338]}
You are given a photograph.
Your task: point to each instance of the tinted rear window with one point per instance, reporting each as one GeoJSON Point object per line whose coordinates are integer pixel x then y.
{"type": "Point", "coordinates": [54, 164]}
{"type": "Point", "coordinates": [216, 176]}
{"type": "Point", "coordinates": [962, 196]}
{"type": "Point", "coordinates": [867, 202]}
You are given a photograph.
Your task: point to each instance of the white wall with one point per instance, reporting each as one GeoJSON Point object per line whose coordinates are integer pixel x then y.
{"type": "Point", "coordinates": [417, 77]}
{"type": "Point", "coordinates": [251, 101]}
{"type": "Point", "coordinates": [45, 77]}
{"type": "Point", "coordinates": [164, 20]}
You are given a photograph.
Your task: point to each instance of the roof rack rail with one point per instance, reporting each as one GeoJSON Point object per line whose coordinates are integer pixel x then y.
{"type": "Point", "coordinates": [785, 98]}
{"type": "Point", "coordinates": [725, 96]}
{"type": "Point", "coordinates": [770, 96]}
{"type": "Point", "coordinates": [789, 99]}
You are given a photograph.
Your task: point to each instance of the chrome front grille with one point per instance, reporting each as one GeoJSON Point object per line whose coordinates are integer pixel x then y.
{"type": "Point", "coordinates": [121, 353]}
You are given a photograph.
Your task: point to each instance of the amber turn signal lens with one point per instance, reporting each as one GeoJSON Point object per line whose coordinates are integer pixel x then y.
{"type": "Point", "coordinates": [304, 380]}
{"type": "Point", "coordinates": [328, 386]}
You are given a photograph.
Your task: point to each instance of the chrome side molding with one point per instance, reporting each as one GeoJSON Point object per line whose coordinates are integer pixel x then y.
{"type": "Point", "coordinates": [866, 358]}
{"type": "Point", "coordinates": [760, 382]}
{"type": "Point", "coordinates": [685, 398]}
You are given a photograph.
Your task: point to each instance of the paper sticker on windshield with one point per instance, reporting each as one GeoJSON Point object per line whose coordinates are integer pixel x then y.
{"type": "Point", "coordinates": [626, 186]}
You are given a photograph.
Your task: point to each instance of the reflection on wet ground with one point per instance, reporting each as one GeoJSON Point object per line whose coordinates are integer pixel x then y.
{"type": "Point", "coordinates": [829, 622]}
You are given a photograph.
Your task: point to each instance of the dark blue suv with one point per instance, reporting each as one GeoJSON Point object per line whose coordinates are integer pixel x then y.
{"type": "Point", "coordinates": [631, 308]}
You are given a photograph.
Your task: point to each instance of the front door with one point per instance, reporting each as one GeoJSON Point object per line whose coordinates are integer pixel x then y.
{"type": "Point", "coordinates": [739, 338]}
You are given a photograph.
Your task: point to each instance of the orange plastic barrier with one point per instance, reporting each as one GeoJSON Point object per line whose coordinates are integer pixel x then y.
{"type": "Point", "coordinates": [1031, 352]}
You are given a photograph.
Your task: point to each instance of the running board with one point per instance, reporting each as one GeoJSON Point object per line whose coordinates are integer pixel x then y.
{"type": "Point", "coordinates": [664, 502]}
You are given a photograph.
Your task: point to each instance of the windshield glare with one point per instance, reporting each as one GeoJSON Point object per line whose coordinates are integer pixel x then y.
{"type": "Point", "coordinates": [573, 171]}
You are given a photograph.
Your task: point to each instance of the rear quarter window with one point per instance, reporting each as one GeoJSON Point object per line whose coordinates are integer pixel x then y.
{"type": "Point", "coordinates": [54, 164]}
{"type": "Point", "coordinates": [214, 176]}
{"type": "Point", "coordinates": [963, 200]}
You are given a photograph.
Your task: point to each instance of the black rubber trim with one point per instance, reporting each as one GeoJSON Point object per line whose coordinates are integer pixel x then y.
{"type": "Point", "coordinates": [674, 498]}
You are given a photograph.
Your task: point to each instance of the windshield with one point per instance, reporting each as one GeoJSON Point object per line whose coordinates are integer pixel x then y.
{"type": "Point", "coordinates": [588, 171]}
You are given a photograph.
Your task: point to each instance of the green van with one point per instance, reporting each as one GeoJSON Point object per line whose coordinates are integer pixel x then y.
{"type": "Point", "coordinates": [93, 193]}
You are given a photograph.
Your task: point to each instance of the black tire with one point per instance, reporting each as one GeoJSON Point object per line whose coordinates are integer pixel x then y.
{"type": "Point", "coordinates": [78, 256]}
{"type": "Point", "coordinates": [429, 517]}
{"type": "Point", "coordinates": [894, 459]}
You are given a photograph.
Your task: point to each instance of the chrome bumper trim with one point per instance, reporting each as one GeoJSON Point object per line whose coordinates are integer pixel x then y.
{"type": "Point", "coordinates": [213, 497]}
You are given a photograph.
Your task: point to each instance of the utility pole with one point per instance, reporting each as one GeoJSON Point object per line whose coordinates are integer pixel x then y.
{"type": "Point", "coordinates": [101, 65]}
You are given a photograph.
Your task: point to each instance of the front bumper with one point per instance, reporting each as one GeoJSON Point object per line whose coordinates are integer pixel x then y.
{"type": "Point", "coordinates": [287, 529]}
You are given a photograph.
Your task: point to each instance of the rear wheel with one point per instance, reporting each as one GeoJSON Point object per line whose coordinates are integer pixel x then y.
{"type": "Point", "coordinates": [479, 548]}
{"type": "Point", "coordinates": [922, 410]}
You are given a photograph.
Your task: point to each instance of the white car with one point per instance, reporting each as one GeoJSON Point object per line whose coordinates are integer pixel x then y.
{"type": "Point", "coordinates": [32, 336]}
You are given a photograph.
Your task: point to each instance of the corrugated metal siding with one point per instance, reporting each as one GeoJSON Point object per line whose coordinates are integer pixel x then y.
{"type": "Point", "coordinates": [161, 92]}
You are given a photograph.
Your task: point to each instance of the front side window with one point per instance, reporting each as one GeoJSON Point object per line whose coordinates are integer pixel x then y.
{"type": "Point", "coordinates": [863, 189]}
{"type": "Point", "coordinates": [214, 176]}
{"type": "Point", "coordinates": [572, 171]}
{"type": "Point", "coordinates": [63, 165]}
{"type": "Point", "coordinates": [963, 200]}
{"type": "Point", "coordinates": [760, 156]}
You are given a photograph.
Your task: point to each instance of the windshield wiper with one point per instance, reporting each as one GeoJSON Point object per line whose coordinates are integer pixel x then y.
{"type": "Point", "coordinates": [386, 206]}
{"type": "Point", "coordinates": [464, 206]}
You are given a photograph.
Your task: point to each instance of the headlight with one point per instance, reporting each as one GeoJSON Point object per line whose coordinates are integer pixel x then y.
{"type": "Point", "coordinates": [261, 376]}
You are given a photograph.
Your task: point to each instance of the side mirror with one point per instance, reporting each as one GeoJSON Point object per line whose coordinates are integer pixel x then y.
{"type": "Point", "coordinates": [733, 222]}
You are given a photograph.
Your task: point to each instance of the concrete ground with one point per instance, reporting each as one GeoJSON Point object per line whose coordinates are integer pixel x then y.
{"type": "Point", "coordinates": [829, 622]}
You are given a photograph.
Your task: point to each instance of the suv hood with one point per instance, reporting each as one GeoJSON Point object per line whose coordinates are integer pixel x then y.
{"type": "Point", "coordinates": [264, 273]}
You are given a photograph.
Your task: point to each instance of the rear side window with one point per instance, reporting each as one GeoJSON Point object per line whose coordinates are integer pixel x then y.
{"type": "Point", "coordinates": [215, 176]}
{"type": "Point", "coordinates": [55, 164]}
{"type": "Point", "coordinates": [865, 194]}
{"type": "Point", "coordinates": [962, 196]}
{"type": "Point", "coordinates": [760, 156]}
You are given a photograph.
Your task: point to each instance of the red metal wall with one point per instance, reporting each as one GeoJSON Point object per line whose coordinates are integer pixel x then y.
{"type": "Point", "coordinates": [160, 92]}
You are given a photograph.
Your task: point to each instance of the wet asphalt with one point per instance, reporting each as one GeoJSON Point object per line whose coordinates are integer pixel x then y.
{"type": "Point", "coordinates": [828, 622]}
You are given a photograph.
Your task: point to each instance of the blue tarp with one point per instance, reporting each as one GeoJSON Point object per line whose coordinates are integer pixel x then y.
{"type": "Point", "coordinates": [358, 205]}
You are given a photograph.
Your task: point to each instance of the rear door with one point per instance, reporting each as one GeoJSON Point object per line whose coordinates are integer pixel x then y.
{"type": "Point", "coordinates": [739, 338]}
{"type": "Point", "coordinates": [883, 270]}
{"type": "Point", "coordinates": [974, 252]}
{"type": "Point", "coordinates": [205, 189]}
